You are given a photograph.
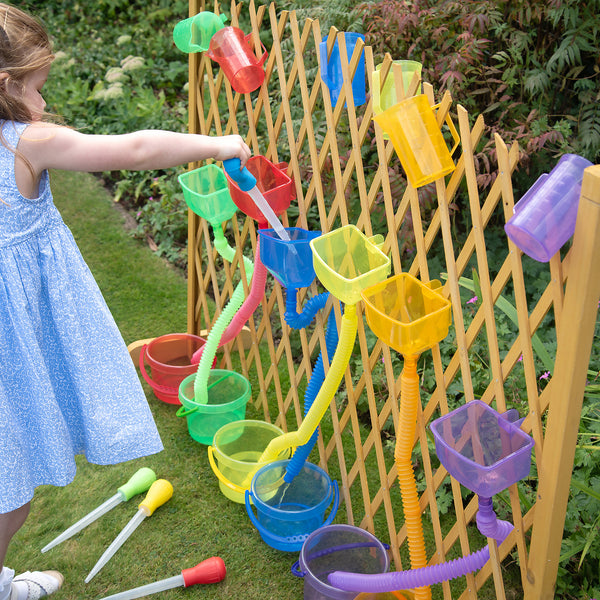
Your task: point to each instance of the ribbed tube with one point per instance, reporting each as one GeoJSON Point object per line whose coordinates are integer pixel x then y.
{"type": "Point", "coordinates": [489, 524]}
{"type": "Point", "coordinates": [312, 389]}
{"type": "Point", "coordinates": [409, 398]}
{"type": "Point", "coordinates": [301, 320]}
{"type": "Point", "coordinates": [235, 324]}
{"type": "Point", "coordinates": [340, 361]}
{"type": "Point", "coordinates": [415, 578]}
{"type": "Point", "coordinates": [207, 352]}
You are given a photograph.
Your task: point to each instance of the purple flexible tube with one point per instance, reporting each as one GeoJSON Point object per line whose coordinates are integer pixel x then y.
{"type": "Point", "coordinates": [488, 525]}
{"type": "Point", "coordinates": [257, 291]}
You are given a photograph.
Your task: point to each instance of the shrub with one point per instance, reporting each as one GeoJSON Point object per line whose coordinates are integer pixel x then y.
{"type": "Point", "coordinates": [530, 67]}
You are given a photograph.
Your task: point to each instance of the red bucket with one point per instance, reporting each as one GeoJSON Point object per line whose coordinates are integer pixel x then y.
{"type": "Point", "coordinates": [170, 361]}
{"type": "Point", "coordinates": [231, 49]}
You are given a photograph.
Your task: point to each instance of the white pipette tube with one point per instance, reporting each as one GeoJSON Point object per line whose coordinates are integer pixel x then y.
{"type": "Point", "coordinates": [160, 491]}
{"type": "Point", "coordinates": [139, 482]}
{"type": "Point", "coordinates": [211, 570]}
{"type": "Point", "coordinates": [247, 183]}
{"type": "Point", "coordinates": [269, 213]}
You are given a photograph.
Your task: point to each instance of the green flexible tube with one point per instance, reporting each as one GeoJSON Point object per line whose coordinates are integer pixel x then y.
{"type": "Point", "coordinates": [223, 320]}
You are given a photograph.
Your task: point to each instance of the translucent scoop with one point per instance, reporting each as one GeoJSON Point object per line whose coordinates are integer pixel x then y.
{"type": "Point", "coordinates": [211, 570]}
{"type": "Point", "coordinates": [139, 482]}
{"type": "Point", "coordinates": [247, 183]}
{"type": "Point", "coordinates": [160, 491]}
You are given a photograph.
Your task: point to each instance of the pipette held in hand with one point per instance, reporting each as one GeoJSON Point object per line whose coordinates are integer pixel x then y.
{"type": "Point", "coordinates": [160, 491]}
{"type": "Point", "coordinates": [139, 482]}
{"type": "Point", "coordinates": [211, 570]}
{"type": "Point", "coordinates": [247, 183]}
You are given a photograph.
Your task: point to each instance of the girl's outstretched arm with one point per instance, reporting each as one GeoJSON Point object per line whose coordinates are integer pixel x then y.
{"type": "Point", "coordinates": [55, 147]}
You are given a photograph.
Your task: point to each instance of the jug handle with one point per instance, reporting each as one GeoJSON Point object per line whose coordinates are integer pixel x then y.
{"type": "Point", "coordinates": [262, 59]}
{"type": "Point", "coordinates": [452, 128]}
{"type": "Point", "coordinates": [336, 503]}
{"type": "Point", "coordinates": [220, 476]}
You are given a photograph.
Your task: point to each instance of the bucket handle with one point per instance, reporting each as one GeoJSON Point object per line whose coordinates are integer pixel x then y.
{"type": "Point", "coordinates": [334, 507]}
{"type": "Point", "coordinates": [220, 476]}
{"type": "Point", "coordinates": [452, 128]}
{"type": "Point", "coordinates": [184, 411]}
{"type": "Point", "coordinates": [296, 566]}
{"type": "Point", "coordinates": [155, 386]}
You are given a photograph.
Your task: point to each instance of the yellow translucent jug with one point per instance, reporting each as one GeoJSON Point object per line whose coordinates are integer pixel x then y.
{"type": "Point", "coordinates": [408, 315]}
{"type": "Point", "coordinates": [418, 140]}
{"type": "Point", "coordinates": [346, 261]}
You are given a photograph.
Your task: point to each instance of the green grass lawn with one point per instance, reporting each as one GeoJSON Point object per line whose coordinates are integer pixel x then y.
{"type": "Point", "coordinates": [148, 299]}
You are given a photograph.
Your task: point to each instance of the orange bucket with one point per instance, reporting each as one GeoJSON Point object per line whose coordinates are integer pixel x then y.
{"type": "Point", "coordinates": [170, 360]}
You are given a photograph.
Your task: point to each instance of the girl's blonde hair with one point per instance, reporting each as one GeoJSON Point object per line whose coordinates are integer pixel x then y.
{"type": "Point", "coordinates": [25, 47]}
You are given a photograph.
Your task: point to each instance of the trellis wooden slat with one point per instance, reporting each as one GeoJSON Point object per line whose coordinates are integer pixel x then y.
{"type": "Point", "coordinates": [323, 146]}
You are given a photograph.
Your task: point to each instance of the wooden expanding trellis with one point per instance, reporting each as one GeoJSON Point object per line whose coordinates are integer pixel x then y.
{"type": "Point", "coordinates": [290, 118]}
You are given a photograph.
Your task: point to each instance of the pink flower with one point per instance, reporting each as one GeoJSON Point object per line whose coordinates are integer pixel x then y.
{"type": "Point", "coordinates": [472, 300]}
{"type": "Point", "coordinates": [545, 375]}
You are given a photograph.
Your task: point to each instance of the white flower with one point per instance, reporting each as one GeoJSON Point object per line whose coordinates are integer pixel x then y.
{"type": "Point", "coordinates": [98, 94]}
{"type": "Point", "coordinates": [114, 91]}
{"type": "Point", "coordinates": [132, 62]}
{"type": "Point", "coordinates": [123, 39]}
{"type": "Point", "coordinates": [115, 74]}
{"type": "Point", "coordinates": [60, 55]}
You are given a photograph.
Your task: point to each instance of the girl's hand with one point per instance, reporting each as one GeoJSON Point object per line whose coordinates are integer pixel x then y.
{"type": "Point", "coordinates": [231, 146]}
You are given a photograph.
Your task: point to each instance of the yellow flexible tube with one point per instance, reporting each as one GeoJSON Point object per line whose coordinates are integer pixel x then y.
{"type": "Point", "coordinates": [332, 381]}
{"type": "Point", "coordinates": [409, 398]}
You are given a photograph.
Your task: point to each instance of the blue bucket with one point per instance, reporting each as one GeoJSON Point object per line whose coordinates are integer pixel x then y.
{"type": "Point", "coordinates": [287, 513]}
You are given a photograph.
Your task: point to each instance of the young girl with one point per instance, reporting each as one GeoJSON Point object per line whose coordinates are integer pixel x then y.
{"type": "Point", "coordinates": [67, 383]}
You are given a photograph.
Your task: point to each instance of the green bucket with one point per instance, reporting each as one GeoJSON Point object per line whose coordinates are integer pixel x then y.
{"type": "Point", "coordinates": [228, 395]}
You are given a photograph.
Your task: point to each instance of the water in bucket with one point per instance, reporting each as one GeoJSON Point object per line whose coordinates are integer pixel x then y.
{"type": "Point", "coordinates": [228, 395]}
{"type": "Point", "coordinates": [544, 218]}
{"type": "Point", "coordinates": [170, 360]}
{"type": "Point", "coordinates": [235, 455]}
{"type": "Point", "coordinates": [337, 548]}
{"type": "Point", "coordinates": [286, 513]}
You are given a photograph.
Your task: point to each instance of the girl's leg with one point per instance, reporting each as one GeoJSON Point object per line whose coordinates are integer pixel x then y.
{"type": "Point", "coordinates": [10, 523]}
{"type": "Point", "coordinates": [27, 585]}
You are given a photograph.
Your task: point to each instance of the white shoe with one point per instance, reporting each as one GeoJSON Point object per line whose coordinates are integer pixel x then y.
{"type": "Point", "coordinates": [35, 585]}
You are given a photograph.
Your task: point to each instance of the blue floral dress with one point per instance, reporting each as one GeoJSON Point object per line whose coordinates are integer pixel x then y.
{"type": "Point", "coordinates": [67, 383]}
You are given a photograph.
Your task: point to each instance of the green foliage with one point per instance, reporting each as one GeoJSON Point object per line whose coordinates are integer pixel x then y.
{"type": "Point", "coordinates": [531, 68]}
